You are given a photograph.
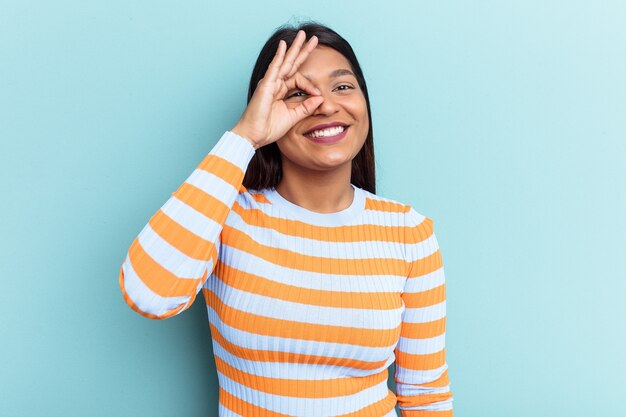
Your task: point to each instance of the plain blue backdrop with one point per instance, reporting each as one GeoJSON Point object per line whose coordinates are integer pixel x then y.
{"type": "Point", "coordinates": [503, 121]}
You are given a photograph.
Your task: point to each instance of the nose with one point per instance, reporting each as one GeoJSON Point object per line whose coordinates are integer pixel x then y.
{"type": "Point", "coordinates": [328, 106]}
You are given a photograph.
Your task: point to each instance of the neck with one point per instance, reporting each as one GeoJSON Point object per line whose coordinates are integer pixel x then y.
{"type": "Point", "coordinates": [319, 191]}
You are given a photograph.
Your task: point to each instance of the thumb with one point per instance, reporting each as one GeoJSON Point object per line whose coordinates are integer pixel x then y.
{"type": "Point", "coordinates": [307, 107]}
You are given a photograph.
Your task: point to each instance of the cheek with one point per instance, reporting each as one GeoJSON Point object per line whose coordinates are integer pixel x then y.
{"type": "Point", "coordinates": [361, 111]}
{"type": "Point", "coordinates": [290, 147]}
{"type": "Point", "coordinates": [359, 107]}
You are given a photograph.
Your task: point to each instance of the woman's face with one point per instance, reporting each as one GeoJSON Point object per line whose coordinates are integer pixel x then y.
{"type": "Point", "coordinates": [343, 102]}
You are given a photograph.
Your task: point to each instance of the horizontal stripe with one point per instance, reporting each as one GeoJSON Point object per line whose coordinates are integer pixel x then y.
{"type": "Point", "coordinates": [143, 300]}
{"type": "Point", "coordinates": [252, 266]}
{"type": "Point", "coordinates": [423, 330]}
{"type": "Point", "coordinates": [186, 228]}
{"type": "Point", "coordinates": [219, 165]}
{"type": "Point", "coordinates": [383, 231]}
{"type": "Point", "coordinates": [384, 407]}
{"type": "Point", "coordinates": [434, 402]}
{"type": "Point", "coordinates": [418, 229]}
{"type": "Point", "coordinates": [421, 249]}
{"type": "Point", "coordinates": [319, 242]}
{"type": "Point", "coordinates": [319, 264]}
{"type": "Point", "coordinates": [311, 312]}
{"type": "Point", "coordinates": [426, 315]}
{"type": "Point", "coordinates": [224, 411]}
{"type": "Point", "coordinates": [157, 278]}
{"type": "Point", "coordinates": [249, 283]}
{"type": "Point", "coordinates": [252, 323]}
{"type": "Point", "coordinates": [412, 390]}
{"type": "Point", "coordinates": [169, 257]}
{"type": "Point", "coordinates": [422, 346]}
{"type": "Point", "coordinates": [294, 366]}
{"type": "Point", "coordinates": [426, 413]}
{"type": "Point", "coordinates": [245, 345]}
{"type": "Point", "coordinates": [421, 362]}
{"type": "Point", "coordinates": [425, 265]}
{"type": "Point", "coordinates": [385, 205]}
{"type": "Point", "coordinates": [206, 204]}
{"type": "Point", "coordinates": [301, 388]}
{"type": "Point", "coordinates": [277, 356]}
{"type": "Point", "coordinates": [233, 148]}
{"type": "Point", "coordinates": [182, 237]}
{"type": "Point", "coordinates": [426, 378]}
{"type": "Point", "coordinates": [422, 399]}
{"type": "Point", "coordinates": [425, 298]}
{"type": "Point", "coordinates": [342, 396]}
{"type": "Point", "coordinates": [231, 405]}
{"type": "Point", "coordinates": [425, 282]}
{"type": "Point", "coordinates": [211, 182]}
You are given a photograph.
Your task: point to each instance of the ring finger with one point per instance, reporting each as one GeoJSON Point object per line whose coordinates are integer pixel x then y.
{"type": "Point", "coordinates": [304, 53]}
{"type": "Point", "coordinates": [292, 54]}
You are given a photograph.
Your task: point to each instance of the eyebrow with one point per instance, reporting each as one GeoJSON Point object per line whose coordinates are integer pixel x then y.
{"type": "Point", "coordinates": [336, 73]}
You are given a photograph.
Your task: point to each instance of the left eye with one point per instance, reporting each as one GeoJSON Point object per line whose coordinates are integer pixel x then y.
{"type": "Point", "coordinates": [302, 92]}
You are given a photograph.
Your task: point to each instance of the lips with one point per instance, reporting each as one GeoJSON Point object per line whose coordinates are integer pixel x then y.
{"type": "Point", "coordinates": [329, 139]}
{"type": "Point", "coordinates": [325, 126]}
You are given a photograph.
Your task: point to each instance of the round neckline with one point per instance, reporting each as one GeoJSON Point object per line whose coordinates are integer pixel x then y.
{"type": "Point", "coordinates": [348, 215]}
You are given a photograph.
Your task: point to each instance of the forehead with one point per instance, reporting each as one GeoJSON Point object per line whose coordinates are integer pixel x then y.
{"type": "Point", "coordinates": [322, 61]}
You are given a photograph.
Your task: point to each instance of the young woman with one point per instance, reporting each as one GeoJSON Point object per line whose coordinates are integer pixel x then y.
{"type": "Point", "coordinates": [314, 285]}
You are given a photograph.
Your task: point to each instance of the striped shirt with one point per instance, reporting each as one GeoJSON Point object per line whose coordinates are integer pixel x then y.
{"type": "Point", "coordinates": [306, 310]}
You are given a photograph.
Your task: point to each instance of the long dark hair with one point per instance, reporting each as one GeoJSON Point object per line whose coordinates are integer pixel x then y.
{"type": "Point", "coordinates": [265, 167]}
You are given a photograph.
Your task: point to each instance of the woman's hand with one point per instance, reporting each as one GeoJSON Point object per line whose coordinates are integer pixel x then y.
{"type": "Point", "coordinates": [267, 117]}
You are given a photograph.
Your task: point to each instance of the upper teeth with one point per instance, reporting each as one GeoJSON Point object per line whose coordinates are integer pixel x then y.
{"type": "Point", "coordinates": [331, 131]}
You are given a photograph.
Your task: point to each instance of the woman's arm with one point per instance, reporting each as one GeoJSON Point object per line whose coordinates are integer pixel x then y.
{"type": "Point", "coordinates": [171, 258]}
{"type": "Point", "coordinates": [422, 385]}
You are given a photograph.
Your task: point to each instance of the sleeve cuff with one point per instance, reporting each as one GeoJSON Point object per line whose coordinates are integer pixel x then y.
{"type": "Point", "coordinates": [235, 149]}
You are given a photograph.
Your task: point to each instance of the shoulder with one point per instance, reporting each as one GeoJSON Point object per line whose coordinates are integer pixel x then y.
{"type": "Point", "coordinates": [249, 198]}
{"type": "Point", "coordinates": [411, 217]}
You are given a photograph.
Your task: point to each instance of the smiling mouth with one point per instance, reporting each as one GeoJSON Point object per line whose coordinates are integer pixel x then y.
{"type": "Point", "coordinates": [327, 133]}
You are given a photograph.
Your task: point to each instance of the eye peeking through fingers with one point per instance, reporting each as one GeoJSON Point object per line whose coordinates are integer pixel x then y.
{"type": "Point", "coordinates": [293, 94]}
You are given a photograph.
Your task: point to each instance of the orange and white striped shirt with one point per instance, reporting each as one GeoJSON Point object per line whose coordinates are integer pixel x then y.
{"type": "Point", "coordinates": [307, 310]}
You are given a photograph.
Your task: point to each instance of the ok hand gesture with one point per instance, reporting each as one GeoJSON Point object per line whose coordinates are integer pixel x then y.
{"type": "Point", "coordinates": [267, 117]}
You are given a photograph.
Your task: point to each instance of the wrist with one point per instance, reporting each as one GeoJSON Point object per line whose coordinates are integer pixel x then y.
{"type": "Point", "coordinates": [236, 130]}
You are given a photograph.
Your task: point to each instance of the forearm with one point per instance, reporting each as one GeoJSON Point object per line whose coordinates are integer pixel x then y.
{"type": "Point", "coordinates": [173, 255]}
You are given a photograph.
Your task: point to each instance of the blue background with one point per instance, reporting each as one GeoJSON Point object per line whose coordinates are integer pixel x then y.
{"type": "Point", "coordinates": [503, 121]}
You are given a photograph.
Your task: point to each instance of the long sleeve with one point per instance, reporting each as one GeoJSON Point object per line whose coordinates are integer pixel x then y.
{"type": "Point", "coordinates": [421, 375]}
{"type": "Point", "coordinates": [171, 258]}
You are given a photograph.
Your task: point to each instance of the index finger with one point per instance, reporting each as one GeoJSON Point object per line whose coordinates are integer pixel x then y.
{"type": "Point", "coordinates": [300, 81]}
{"type": "Point", "coordinates": [277, 61]}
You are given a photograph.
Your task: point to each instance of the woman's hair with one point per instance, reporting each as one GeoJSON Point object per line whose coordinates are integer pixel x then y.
{"type": "Point", "coordinates": [265, 167]}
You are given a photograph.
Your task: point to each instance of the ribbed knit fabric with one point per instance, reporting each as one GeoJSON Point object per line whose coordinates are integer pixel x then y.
{"type": "Point", "coordinates": [306, 310]}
